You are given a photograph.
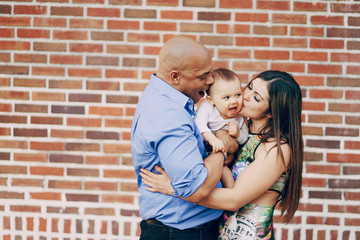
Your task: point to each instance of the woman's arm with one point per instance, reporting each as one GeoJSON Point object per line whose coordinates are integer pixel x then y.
{"type": "Point", "coordinates": [254, 181]}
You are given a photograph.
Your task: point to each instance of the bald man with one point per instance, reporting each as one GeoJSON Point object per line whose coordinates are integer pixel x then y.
{"type": "Point", "coordinates": [164, 133]}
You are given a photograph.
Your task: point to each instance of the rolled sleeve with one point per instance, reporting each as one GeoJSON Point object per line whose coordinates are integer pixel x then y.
{"type": "Point", "coordinates": [180, 155]}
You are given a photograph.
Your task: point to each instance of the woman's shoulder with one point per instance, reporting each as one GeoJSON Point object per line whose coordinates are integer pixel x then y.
{"type": "Point", "coordinates": [270, 148]}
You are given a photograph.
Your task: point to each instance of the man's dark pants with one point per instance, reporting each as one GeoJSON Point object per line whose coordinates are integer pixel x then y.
{"type": "Point", "coordinates": [154, 230]}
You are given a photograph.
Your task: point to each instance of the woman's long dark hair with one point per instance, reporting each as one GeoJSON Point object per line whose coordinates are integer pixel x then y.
{"type": "Point", "coordinates": [285, 105]}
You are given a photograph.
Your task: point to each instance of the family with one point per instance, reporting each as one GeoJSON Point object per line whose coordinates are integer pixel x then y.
{"type": "Point", "coordinates": [217, 172]}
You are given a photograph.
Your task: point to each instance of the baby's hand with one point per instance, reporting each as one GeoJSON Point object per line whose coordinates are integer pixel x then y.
{"type": "Point", "coordinates": [233, 130]}
{"type": "Point", "coordinates": [216, 144]}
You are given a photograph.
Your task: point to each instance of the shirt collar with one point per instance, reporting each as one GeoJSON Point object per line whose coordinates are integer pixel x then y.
{"type": "Point", "coordinates": [172, 93]}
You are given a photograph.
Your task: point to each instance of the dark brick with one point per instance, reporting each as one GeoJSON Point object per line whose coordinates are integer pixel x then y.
{"type": "Point", "coordinates": [82, 198]}
{"type": "Point", "coordinates": [82, 172]}
{"type": "Point", "coordinates": [350, 132]}
{"type": "Point", "coordinates": [214, 16]}
{"type": "Point", "coordinates": [122, 99]}
{"type": "Point", "coordinates": [102, 135]}
{"type": "Point", "coordinates": [323, 143]}
{"type": "Point", "coordinates": [351, 170]}
{"type": "Point", "coordinates": [343, 32]}
{"type": "Point", "coordinates": [5, 9]}
{"type": "Point", "coordinates": [21, 132]}
{"type": "Point", "coordinates": [4, 156]}
{"type": "Point", "coordinates": [31, 108]}
{"type": "Point", "coordinates": [66, 158]}
{"type": "Point", "coordinates": [13, 119]}
{"type": "Point", "coordinates": [325, 195]}
{"type": "Point", "coordinates": [313, 156]}
{"type": "Point", "coordinates": [341, 81]}
{"type": "Point", "coordinates": [344, 183]}
{"type": "Point", "coordinates": [68, 109]}
{"type": "Point", "coordinates": [75, 97]}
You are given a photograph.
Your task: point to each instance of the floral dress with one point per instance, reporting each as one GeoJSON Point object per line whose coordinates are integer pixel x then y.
{"type": "Point", "coordinates": [251, 221]}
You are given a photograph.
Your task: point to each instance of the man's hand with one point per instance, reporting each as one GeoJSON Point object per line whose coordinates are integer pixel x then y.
{"type": "Point", "coordinates": [230, 143]}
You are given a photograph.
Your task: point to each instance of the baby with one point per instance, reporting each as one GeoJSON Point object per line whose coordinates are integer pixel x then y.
{"type": "Point", "coordinates": [220, 109]}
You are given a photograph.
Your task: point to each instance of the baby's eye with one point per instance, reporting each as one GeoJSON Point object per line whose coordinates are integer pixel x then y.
{"type": "Point", "coordinates": [227, 97]}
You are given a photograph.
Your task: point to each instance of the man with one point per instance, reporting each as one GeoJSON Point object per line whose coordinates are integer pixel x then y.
{"type": "Point", "coordinates": [164, 133]}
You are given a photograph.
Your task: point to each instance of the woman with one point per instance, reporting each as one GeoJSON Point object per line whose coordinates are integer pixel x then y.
{"type": "Point", "coordinates": [269, 166]}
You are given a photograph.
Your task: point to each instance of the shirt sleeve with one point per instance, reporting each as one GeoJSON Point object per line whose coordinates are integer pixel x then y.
{"type": "Point", "coordinates": [179, 153]}
{"type": "Point", "coordinates": [202, 116]}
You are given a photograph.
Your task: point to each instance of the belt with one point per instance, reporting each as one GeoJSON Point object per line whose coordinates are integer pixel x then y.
{"type": "Point", "coordinates": [208, 225]}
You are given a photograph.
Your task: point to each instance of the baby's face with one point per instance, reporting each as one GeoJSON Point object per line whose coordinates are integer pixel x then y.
{"type": "Point", "coordinates": [227, 97]}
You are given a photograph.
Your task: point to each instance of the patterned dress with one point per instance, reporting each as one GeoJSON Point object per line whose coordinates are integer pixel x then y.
{"type": "Point", "coordinates": [251, 221]}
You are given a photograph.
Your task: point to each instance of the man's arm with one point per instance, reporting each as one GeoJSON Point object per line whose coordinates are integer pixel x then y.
{"type": "Point", "coordinates": [214, 164]}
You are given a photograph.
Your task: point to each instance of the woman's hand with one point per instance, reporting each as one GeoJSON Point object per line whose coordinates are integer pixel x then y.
{"type": "Point", "coordinates": [160, 183]}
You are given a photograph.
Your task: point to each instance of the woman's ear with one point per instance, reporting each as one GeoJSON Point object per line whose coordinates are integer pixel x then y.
{"type": "Point", "coordinates": [269, 115]}
{"type": "Point", "coordinates": [209, 99]}
{"type": "Point", "coordinates": [175, 77]}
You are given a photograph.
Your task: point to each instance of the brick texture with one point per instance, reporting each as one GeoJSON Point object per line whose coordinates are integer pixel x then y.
{"type": "Point", "coordinates": [71, 74]}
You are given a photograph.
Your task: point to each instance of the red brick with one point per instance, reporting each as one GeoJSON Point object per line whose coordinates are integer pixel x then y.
{"type": "Point", "coordinates": [126, 2]}
{"type": "Point", "coordinates": [251, 17]}
{"type": "Point", "coordinates": [196, 3]}
{"type": "Point", "coordinates": [104, 186]}
{"type": "Point", "coordinates": [314, 182]}
{"type": "Point", "coordinates": [338, 107]}
{"type": "Point", "coordinates": [310, 6]}
{"type": "Point", "coordinates": [252, 41]}
{"type": "Point", "coordinates": [100, 211]}
{"type": "Point", "coordinates": [31, 108]}
{"type": "Point", "coordinates": [86, 23]}
{"type": "Point", "coordinates": [65, 84]}
{"type": "Point", "coordinates": [69, 35]}
{"type": "Point", "coordinates": [82, 172]}
{"type": "Point", "coordinates": [30, 58]}
{"type": "Point", "coordinates": [83, 47]}
{"type": "Point", "coordinates": [48, 71]}
{"type": "Point", "coordinates": [121, 73]}
{"type": "Point", "coordinates": [7, 33]}
{"type": "Point", "coordinates": [172, 3]}
{"type": "Point", "coordinates": [249, 66]}
{"type": "Point", "coordinates": [50, 22]}
{"type": "Point", "coordinates": [337, 131]}
{"type": "Point", "coordinates": [103, 12]}
{"type": "Point", "coordinates": [84, 122]}
{"type": "Point", "coordinates": [139, 13]}
{"type": "Point", "coordinates": [66, 133]}
{"type": "Point", "coordinates": [327, 20]}
{"type": "Point", "coordinates": [33, 33]}
{"type": "Point", "coordinates": [310, 56]}
{"type": "Point", "coordinates": [91, 147]}
{"type": "Point", "coordinates": [53, 171]}
{"type": "Point", "coordinates": [46, 196]}
{"type": "Point", "coordinates": [48, 96]}
{"type": "Point", "coordinates": [117, 198]}
{"type": "Point", "coordinates": [227, 28]}
{"type": "Point", "coordinates": [47, 146]}
{"type": "Point", "coordinates": [159, 26]}
{"type": "Point", "coordinates": [180, 15]}
{"type": "Point", "coordinates": [52, 47]}
{"type": "Point", "coordinates": [343, 158]}
{"type": "Point", "coordinates": [289, 67]}
{"type": "Point", "coordinates": [143, 37]}
{"type": "Point", "coordinates": [118, 123]}
{"type": "Point", "coordinates": [108, 160]}
{"type": "Point", "coordinates": [82, 198]}
{"type": "Point", "coordinates": [65, 184]}
{"type": "Point", "coordinates": [353, 70]}
{"type": "Point", "coordinates": [272, 5]}
{"type": "Point", "coordinates": [129, 25]}
{"type": "Point", "coordinates": [134, 87]}
{"type": "Point", "coordinates": [289, 18]}
{"type": "Point", "coordinates": [14, 45]}
{"type": "Point", "coordinates": [107, 36]}
{"type": "Point", "coordinates": [323, 169]}
{"type": "Point", "coordinates": [321, 93]}
{"type": "Point", "coordinates": [25, 208]}
{"type": "Point", "coordinates": [345, 57]}
{"type": "Point", "coordinates": [345, 8]}
{"type": "Point", "coordinates": [330, 44]}
{"type": "Point", "coordinates": [107, 86]}
{"type": "Point", "coordinates": [307, 31]}
{"type": "Point", "coordinates": [15, 21]}
{"type": "Point", "coordinates": [196, 27]}
{"type": "Point", "coordinates": [290, 42]}
{"type": "Point", "coordinates": [67, 11]}
{"type": "Point", "coordinates": [116, 148]}
{"type": "Point", "coordinates": [65, 59]}
{"type": "Point", "coordinates": [235, 4]}
{"type": "Point", "coordinates": [30, 157]}
{"type": "Point", "coordinates": [326, 69]}
{"type": "Point", "coordinates": [343, 81]}
{"type": "Point", "coordinates": [84, 72]}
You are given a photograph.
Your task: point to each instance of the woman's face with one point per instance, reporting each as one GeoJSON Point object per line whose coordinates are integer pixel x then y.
{"type": "Point", "coordinates": [256, 100]}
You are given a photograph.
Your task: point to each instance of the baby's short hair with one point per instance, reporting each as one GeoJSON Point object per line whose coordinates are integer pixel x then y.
{"type": "Point", "coordinates": [224, 74]}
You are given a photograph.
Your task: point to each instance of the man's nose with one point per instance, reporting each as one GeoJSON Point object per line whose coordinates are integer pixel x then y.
{"type": "Point", "coordinates": [210, 80]}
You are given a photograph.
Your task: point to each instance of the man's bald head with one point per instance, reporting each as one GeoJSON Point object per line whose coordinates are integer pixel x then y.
{"type": "Point", "coordinates": [180, 54]}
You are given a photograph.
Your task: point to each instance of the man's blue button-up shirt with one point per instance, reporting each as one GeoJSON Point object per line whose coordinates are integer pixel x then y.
{"type": "Point", "coordinates": [164, 133]}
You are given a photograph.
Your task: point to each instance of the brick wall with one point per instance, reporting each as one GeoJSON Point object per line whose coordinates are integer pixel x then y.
{"type": "Point", "coordinates": [71, 73]}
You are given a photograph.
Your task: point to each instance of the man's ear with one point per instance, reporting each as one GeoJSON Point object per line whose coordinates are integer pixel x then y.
{"type": "Point", "coordinates": [209, 99]}
{"type": "Point", "coordinates": [175, 77]}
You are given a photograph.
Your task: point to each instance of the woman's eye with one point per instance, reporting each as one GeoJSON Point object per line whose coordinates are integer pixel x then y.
{"type": "Point", "coordinates": [238, 95]}
{"type": "Point", "coordinates": [256, 99]}
{"type": "Point", "coordinates": [249, 87]}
